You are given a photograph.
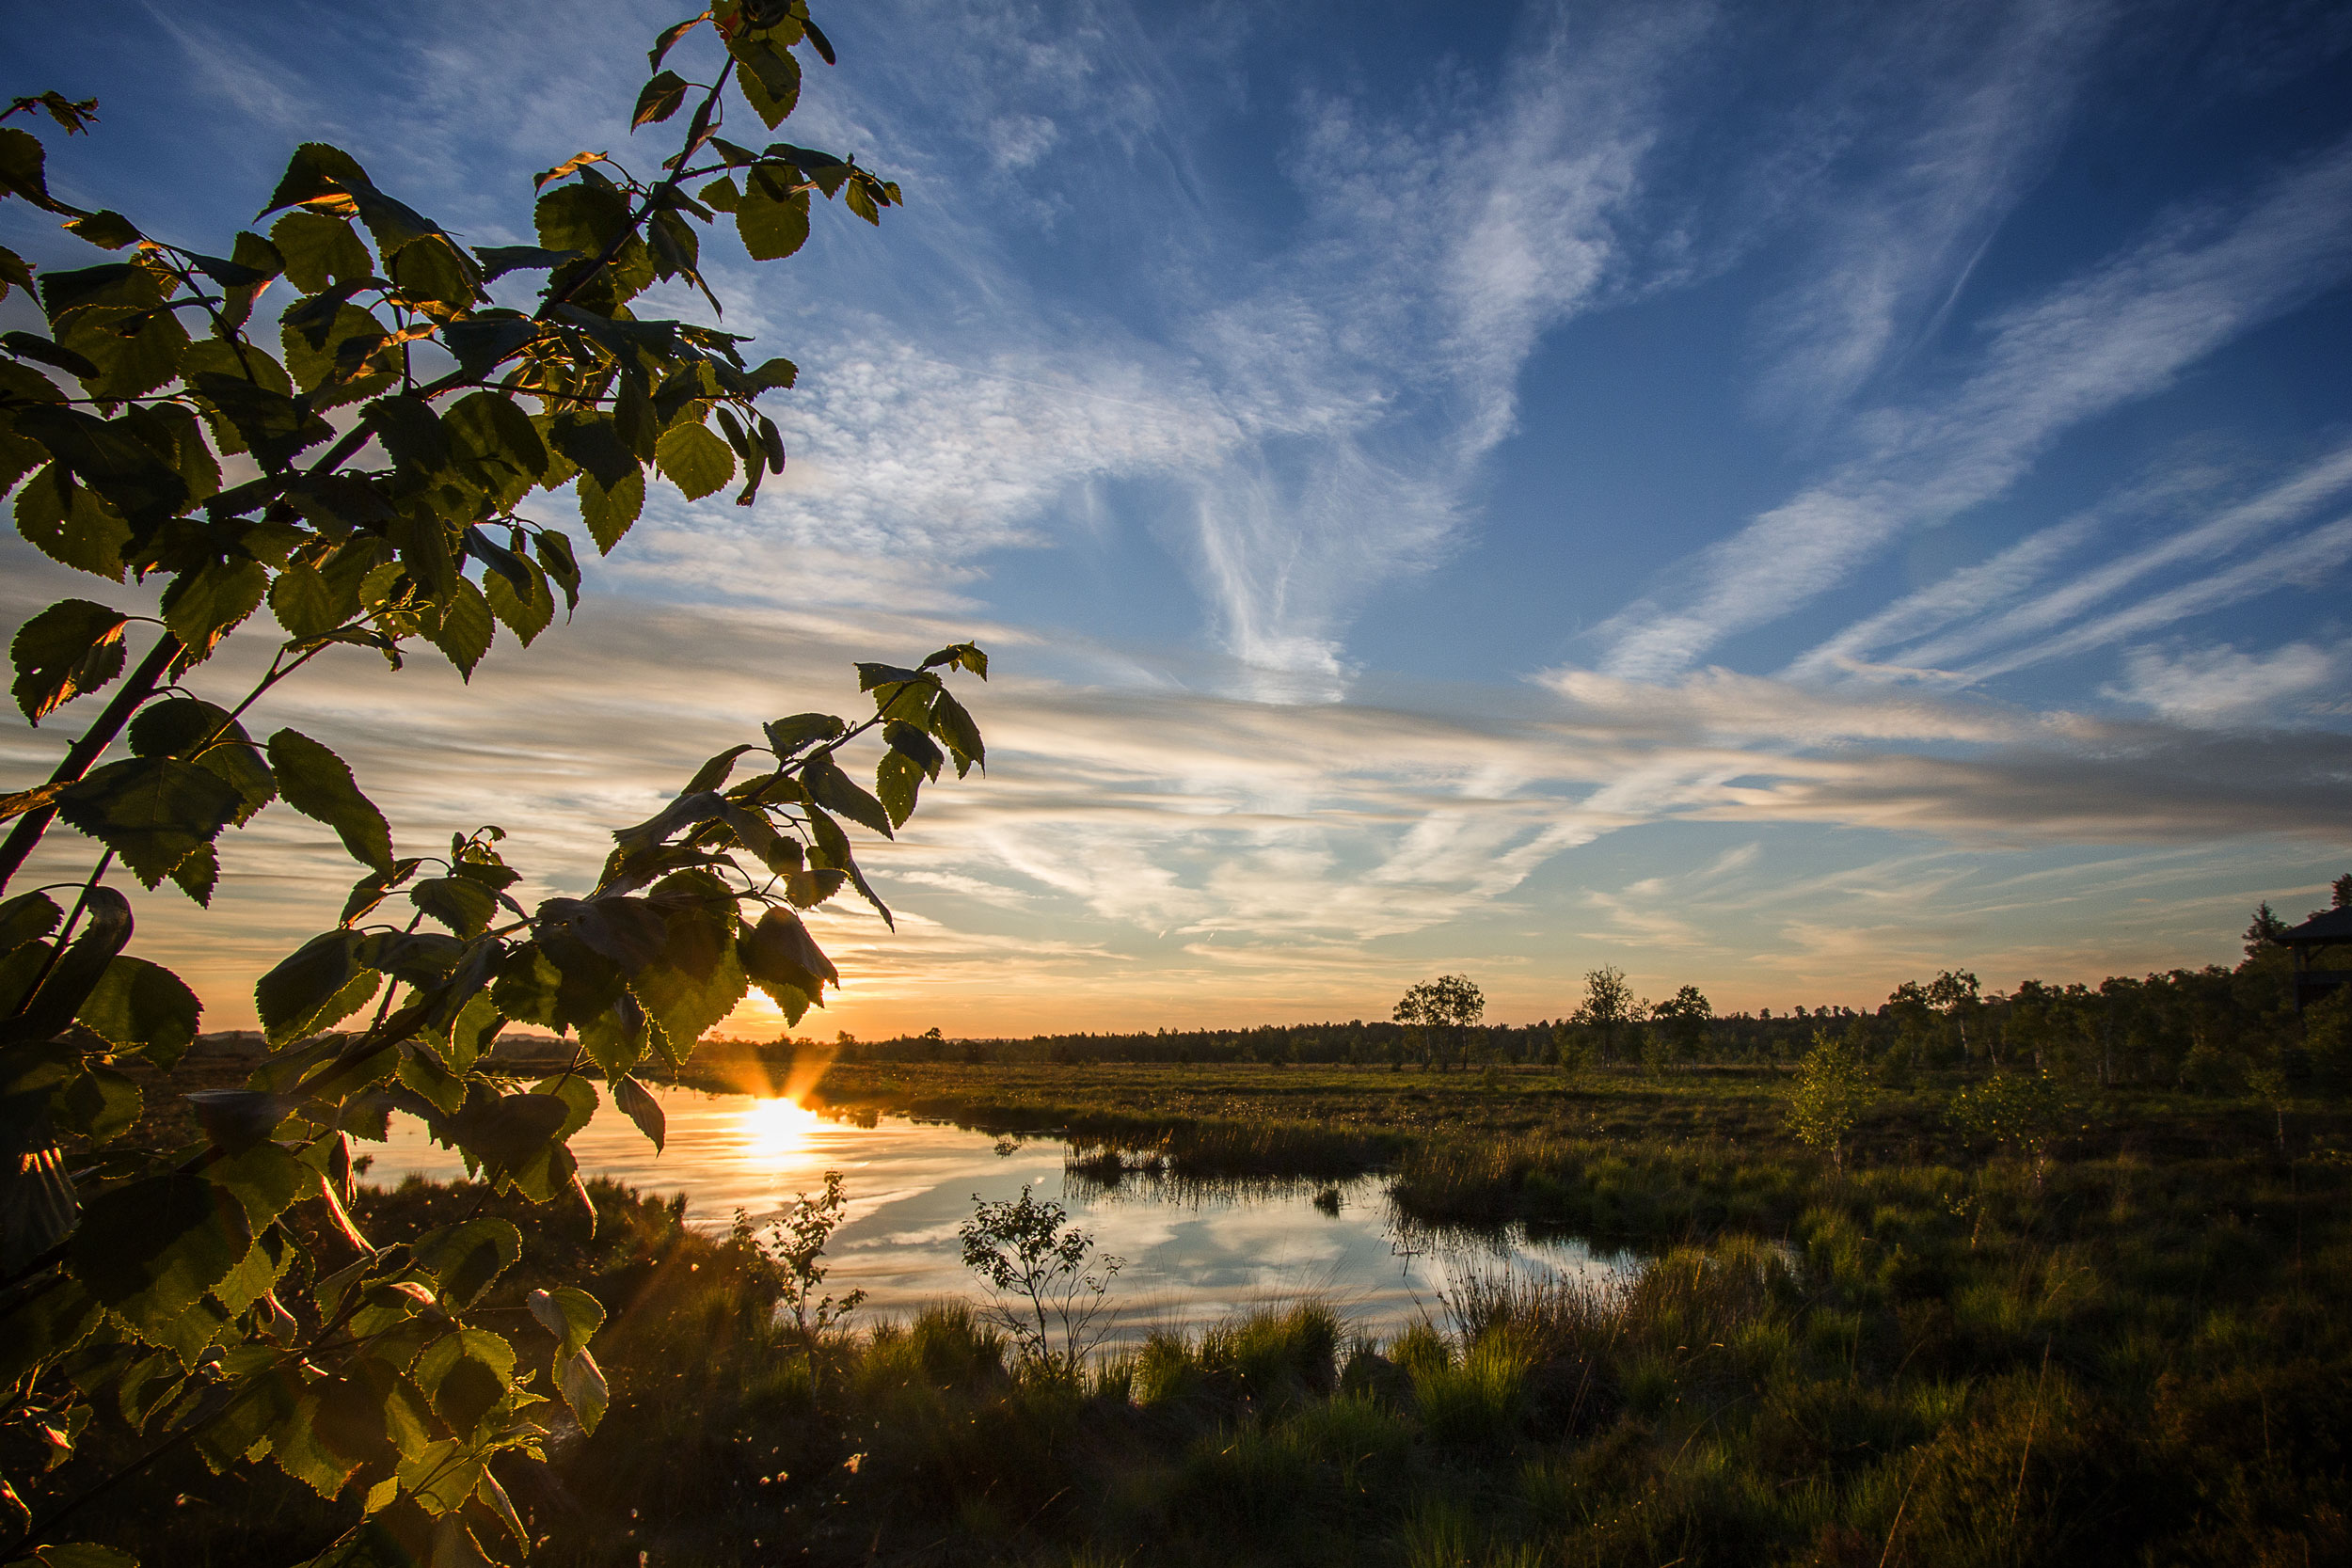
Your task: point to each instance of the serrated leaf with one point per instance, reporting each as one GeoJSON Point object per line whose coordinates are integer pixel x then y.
{"type": "Point", "coordinates": [658, 101]}
{"type": "Point", "coordinates": [780, 952]}
{"type": "Point", "coordinates": [142, 1007]}
{"type": "Point", "coordinates": [153, 812]}
{"type": "Point", "coordinates": [316, 987]}
{"type": "Point", "coordinates": [695, 460]}
{"type": "Point", "coordinates": [70, 525]}
{"type": "Point", "coordinates": [149, 1249]}
{"type": "Point", "coordinates": [610, 511]}
{"type": "Point", "coordinates": [834, 790]}
{"type": "Point", "coordinates": [465, 629]}
{"type": "Point", "coordinates": [71, 647]}
{"type": "Point", "coordinates": [786, 736]}
{"type": "Point", "coordinates": [770, 217]}
{"type": "Point", "coordinates": [315, 782]}
{"type": "Point", "coordinates": [460, 903]}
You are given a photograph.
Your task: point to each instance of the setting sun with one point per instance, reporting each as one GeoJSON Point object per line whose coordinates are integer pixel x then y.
{"type": "Point", "coordinates": [775, 1128]}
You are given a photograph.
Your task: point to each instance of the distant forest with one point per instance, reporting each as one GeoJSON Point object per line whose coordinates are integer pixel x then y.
{"type": "Point", "coordinates": [2204, 1029]}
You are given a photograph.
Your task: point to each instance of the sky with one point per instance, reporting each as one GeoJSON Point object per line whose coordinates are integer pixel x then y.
{"type": "Point", "coordinates": [1781, 498]}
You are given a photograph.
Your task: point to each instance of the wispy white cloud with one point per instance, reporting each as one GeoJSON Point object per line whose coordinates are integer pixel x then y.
{"type": "Point", "coordinates": [2224, 687]}
{"type": "Point", "coordinates": [2126, 329]}
{"type": "Point", "coordinates": [1992, 87]}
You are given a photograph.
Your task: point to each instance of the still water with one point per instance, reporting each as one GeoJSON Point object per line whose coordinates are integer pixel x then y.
{"type": "Point", "coordinates": [1193, 1251]}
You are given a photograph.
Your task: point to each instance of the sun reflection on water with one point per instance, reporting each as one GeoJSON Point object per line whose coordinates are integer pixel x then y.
{"type": "Point", "coordinates": [772, 1130]}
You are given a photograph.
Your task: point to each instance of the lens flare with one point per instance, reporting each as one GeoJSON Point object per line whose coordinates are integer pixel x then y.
{"type": "Point", "coordinates": [773, 1131]}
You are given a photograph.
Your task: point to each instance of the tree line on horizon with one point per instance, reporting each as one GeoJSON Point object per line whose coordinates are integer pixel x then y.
{"type": "Point", "coordinates": [2207, 1030]}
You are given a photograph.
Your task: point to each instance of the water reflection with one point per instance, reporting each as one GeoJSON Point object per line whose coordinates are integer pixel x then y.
{"type": "Point", "coordinates": [1195, 1250]}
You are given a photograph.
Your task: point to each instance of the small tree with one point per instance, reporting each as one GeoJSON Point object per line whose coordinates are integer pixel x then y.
{"type": "Point", "coordinates": [797, 1240]}
{"type": "Point", "coordinates": [1048, 1282]}
{"type": "Point", "coordinates": [1608, 1007]}
{"type": "Point", "coordinates": [2027, 1112]}
{"type": "Point", "coordinates": [1442, 1012]}
{"type": "Point", "coordinates": [1833, 1088]}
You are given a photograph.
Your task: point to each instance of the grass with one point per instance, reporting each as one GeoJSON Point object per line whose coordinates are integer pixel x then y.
{"type": "Point", "coordinates": [1934, 1358]}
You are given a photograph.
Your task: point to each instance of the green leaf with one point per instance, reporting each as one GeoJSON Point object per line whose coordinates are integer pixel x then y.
{"type": "Point", "coordinates": [669, 37]}
{"type": "Point", "coordinates": [496, 445]}
{"type": "Point", "coordinates": [304, 606]}
{"type": "Point", "coordinates": [637, 1103]}
{"type": "Point", "coordinates": [256, 1274]}
{"type": "Point", "coordinates": [149, 1249]}
{"type": "Point", "coordinates": [71, 647]}
{"type": "Point", "coordinates": [31, 345]}
{"type": "Point", "coordinates": [526, 614]}
{"type": "Point", "coordinates": [272, 424]}
{"type": "Point", "coordinates": [70, 524]}
{"type": "Point", "coordinates": [266, 1177]}
{"type": "Point", "coordinates": [153, 812]}
{"type": "Point", "coordinates": [577, 1093]}
{"type": "Point", "coordinates": [27, 917]}
{"type": "Point", "coordinates": [573, 1316]}
{"type": "Point", "coordinates": [504, 1130]}
{"type": "Point", "coordinates": [584, 217]}
{"type": "Point", "coordinates": [204, 605]}
{"type": "Point", "coordinates": [834, 790]}
{"type": "Point", "coordinates": [460, 903]}
{"type": "Point", "coordinates": [695, 460]}
{"type": "Point", "coordinates": [316, 783]}
{"type": "Point", "coordinates": [316, 987]}
{"type": "Point", "coordinates": [570, 1314]}
{"type": "Point", "coordinates": [788, 734]}
{"type": "Point", "coordinates": [657, 101]}
{"type": "Point", "coordinates": [466, 1374]}
{"type": "Point", "coordinates": [698, 980]}
{"type": "Point", "coordinates": [952, 724]}
{"type": "Point", "coordinates": [74, 973]}
{"type": "Point", "coordinates": [335, 362]}
{"type": "Point", "coordinates": [136, 348]}
{"type": "Point", "coordinates": [607, 511]}
{"type": "Point", "coordinates": [44, 1320]}
{"type": "Point", "coordinates": [465, 629]}
{"type": "Point", "coordinates": [898, 779]}
{"type": "Point", "coordinates": [780, 952]}
{"type": "Point", "coordinates": [771, 218]}
{"type": "Point", "coordinates": [468, 1258]}
{"type": "Point", "coordinates": [498, 260]}
{"type": "Point", "coordinates": [412, 432]}
{"type": "Point", "coordinates": [434, 271]}
{"type": "Point", "coordinates": [198, 873]}
{"type": "Point", "coordinates": [178, 727]}
{"type": "Point", "coordinates": [38, 1209]}
{"type": "Point", "coordinates": [320, 250]}
{"type": "Point", "coordinates": [770, 77]}
{"type": "Point", "coordinates": [142, 1007]}
{"type": "Point", "coordinates": [99, 1103]}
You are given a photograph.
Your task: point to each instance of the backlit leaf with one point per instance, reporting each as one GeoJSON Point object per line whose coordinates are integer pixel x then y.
{"type": "Point", "coordinates": [71, 647]}
{"type": "Point", "coordinates": [153, 812]}
{"type": "Point", "coordinates": [316, 987]}
{"type": "Point", "coordinates": [695, 460]}
{"type": "Point", "coordinates": [142, 1007]}
{"type": "Point", "coordinates": [316, 783]}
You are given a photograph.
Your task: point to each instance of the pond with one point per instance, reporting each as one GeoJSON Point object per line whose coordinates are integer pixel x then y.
{"type": "Point", "coordinates": [1194, 1251]}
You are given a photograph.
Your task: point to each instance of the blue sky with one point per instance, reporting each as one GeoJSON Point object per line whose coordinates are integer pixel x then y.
{"type": "Point", "coordinates": [1786, 498]}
